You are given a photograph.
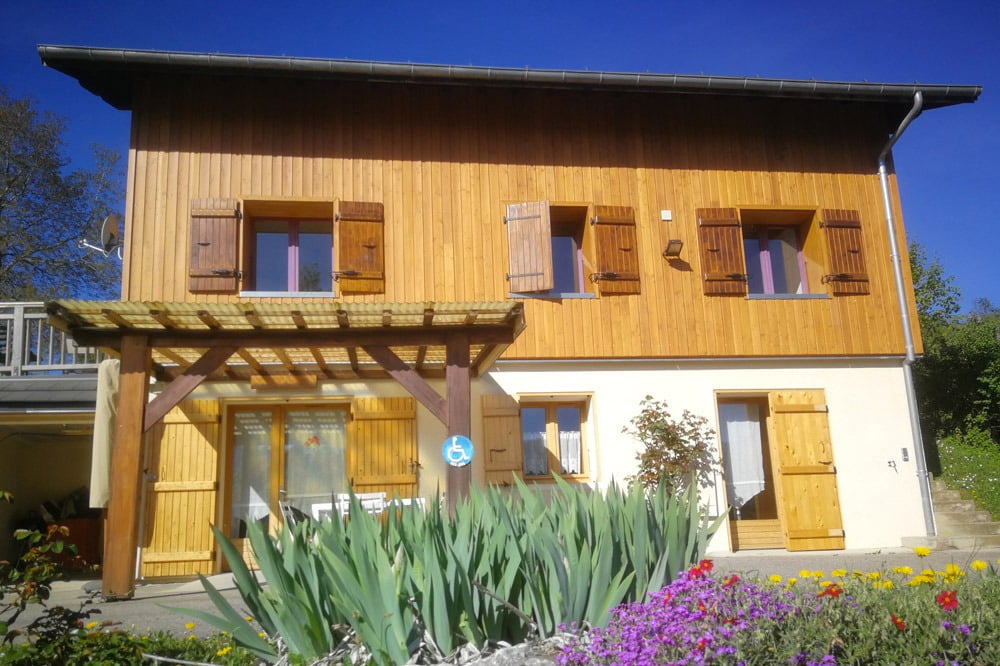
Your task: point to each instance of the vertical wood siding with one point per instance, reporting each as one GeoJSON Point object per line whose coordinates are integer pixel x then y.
{"type": "Point", "coordinates": [446, 162]}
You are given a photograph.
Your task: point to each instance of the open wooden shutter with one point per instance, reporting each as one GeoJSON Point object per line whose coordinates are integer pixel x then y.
{"type": "Point", "coordinates": [179, 490]}
{"type": "Point", "coordinates": [617, 250]}
{"type": "Point", "coordinates": [529, 239]}
{"type": "Point", "coordinates": [808, 495]}
{"type": "Point", "coordinates": [382, 446]}
{"type": "Point", "coordinates": [360, 247]}
{"type": "Point", "coordinates": [720, 238]}
{"type": "Point", "coordinates": [846, 271]}
{"type": "Point", "coordinates": [501, 439]}
{"type": "Point", "coordinates": [215, 242]}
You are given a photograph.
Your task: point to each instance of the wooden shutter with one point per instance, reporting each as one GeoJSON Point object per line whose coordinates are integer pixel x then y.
{"type": "Point", "coordinates": [501, 439]}
{"type": "Point", "coordinates": [846, 270]}
{"type": "Point", "coordinates": [617, 250]}
{"type": "Point", "coordinates": [215, 242]}
{"type": "Point", "coordinates": [360, 247]}
{"type": "Point", "coordinates": [529, 241]}
{"type": "Point", "coordinates": [808, 495]}
{"type": "Point", "coordinates": [382, 446]}
{"type": "Point", "coordinates": [180, 492]}
{"type": "Point", "coordinates": [720, 238]}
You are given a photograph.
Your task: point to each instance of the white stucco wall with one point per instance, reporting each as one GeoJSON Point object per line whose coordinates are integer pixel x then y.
{"type": "Point", "coordinates": [869, 425]}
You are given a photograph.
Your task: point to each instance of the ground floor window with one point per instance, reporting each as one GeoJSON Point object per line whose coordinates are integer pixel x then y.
{"type": "Point", "coordinates": [295, 455]}
{"type": "Point", "coordinates": [552, 438]}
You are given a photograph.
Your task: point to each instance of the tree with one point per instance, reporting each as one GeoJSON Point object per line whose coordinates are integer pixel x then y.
{"type": "Point", "coordinates": [46, 210]}
{"type": "Point", "coordinates": [674, 452]}
{"type": "Point", "coordinates": [937, 296]}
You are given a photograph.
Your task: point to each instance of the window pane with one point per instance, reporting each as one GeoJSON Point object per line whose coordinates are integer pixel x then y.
{"type": "Point", "coordinates": [570, 450]}
{"type": "Point", "coordinates": [315, 261]}
{"type": "Point", "coordinates": [783, 248]}
{"type": "Point", "coordinates": [270, 259]}
{"type": "Point", "coordinates": [565, 265]}
{"type": "Point", "coordinates": [755, 277]}
{"type": "Point", "coordinates": [536, 459]}
{"type": "Point", "coordinates": [315, 467]}
{"type": "Point", "coordinates": [251, 470]}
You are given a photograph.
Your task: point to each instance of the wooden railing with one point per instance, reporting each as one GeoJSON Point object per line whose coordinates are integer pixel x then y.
{"type": "Point", "coordinates": [29, 345]}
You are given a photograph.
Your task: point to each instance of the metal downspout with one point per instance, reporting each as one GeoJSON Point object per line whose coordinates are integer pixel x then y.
{"type": "Point", "coordinates": [904, 312]}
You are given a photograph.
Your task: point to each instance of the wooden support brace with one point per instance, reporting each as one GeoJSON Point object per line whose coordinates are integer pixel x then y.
{"type": "Point", "coordinates": [410, 380]}
{"type": "Point", "coordinates": [182, 386]}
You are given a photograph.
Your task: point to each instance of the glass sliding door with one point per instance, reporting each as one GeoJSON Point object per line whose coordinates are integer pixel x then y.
{"type": "Point", "coordinates": [291, 454]}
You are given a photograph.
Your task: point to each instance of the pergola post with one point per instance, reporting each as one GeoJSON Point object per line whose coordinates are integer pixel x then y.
{"type": "Point", "coordinates": [458, 392]}
{"type": "Point", "coordinates": [122, 535]}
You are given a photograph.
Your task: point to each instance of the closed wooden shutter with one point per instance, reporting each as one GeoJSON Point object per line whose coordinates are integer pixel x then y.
{"type": "Point", "coordinates": [179, 492]}
{"type": "Point", "coordinates": [808, 495]}
{"type": "Point", "coordinates": [846, 272]}
{"type": "Point", "coordinates": [359, 247]}
{"type": "Point", "coordinates": [501, 439]}
{"type": "Point", "coordinates": [529, 241]}
{"type": "Point", "coordinates": [617, 250]}
{"type": "Point", "coordinates": [720, 238]}
{"type": "Point", "coordinates": [382, 446]}
{"type": "Point", "coordinates": [215, 242]}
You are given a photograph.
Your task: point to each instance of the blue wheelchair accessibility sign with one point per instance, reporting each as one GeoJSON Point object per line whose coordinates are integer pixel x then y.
{"type": "Point", "coordinates": [457, 451]}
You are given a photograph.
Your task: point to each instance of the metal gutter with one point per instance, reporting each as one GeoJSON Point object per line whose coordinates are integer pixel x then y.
{"type": "Point", "coordinates": [101, 71]}
{"type": "Point", "coordinates": [904, 315]}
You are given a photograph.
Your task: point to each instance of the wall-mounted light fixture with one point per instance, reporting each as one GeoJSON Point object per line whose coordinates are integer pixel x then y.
{"type": "Point", "coordinates": [673, 248]}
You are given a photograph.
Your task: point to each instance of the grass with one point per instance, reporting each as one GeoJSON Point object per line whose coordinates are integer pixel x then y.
{"type": "Point", "coordinates": [971, 464]}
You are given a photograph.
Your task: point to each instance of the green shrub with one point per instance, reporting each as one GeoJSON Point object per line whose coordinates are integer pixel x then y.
{"type": "Point", "coordinates": [970, 462]}
{"type": "Point", "coordinates": [503, 567]}
{"type": "Point", "coordinates": [675, 452]}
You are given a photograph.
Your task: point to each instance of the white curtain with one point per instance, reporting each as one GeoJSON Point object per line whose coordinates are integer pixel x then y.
{"type": "Point", "coordinates": [741, 451]}
{"type": "Point", "coordinates": [569, 452]}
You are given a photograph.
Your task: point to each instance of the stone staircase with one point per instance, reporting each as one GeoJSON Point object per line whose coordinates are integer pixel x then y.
{"type": "Point", "coordinates": [959, 523]}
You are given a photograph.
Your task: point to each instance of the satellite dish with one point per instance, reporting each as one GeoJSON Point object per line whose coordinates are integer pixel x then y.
{"type": "Point", "coordinates": [110, 236]}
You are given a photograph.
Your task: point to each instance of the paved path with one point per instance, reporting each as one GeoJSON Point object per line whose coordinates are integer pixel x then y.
{"type": "Point", "coordinates": [148, 610]}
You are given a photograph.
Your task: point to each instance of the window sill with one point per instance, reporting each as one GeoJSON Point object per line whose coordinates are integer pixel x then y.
{"type": "Point", "coordinates": [786, 297]}
{"type": "Point", "coordinates": [548, 478]}
{"type": "Point", "coordinates": [552, 296]}
{"type": "Point", "coordinates": [287, 294]}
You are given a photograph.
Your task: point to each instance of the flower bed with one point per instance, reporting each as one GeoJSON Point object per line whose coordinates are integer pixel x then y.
{"type": "Point", "coordinates": [899, 616]}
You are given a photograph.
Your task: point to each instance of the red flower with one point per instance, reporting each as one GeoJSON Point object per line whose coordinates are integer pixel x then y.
{"type": "Point", "coordinates": [833, 591]}
{"type": "Point", "coordinates": [898, 622]}
{"type": "Point", "coordinates": [947, 600]}
{"type": "Point", "coordinates": [730, 580]}
{"type": "Point", "coordinates": [700, 569]}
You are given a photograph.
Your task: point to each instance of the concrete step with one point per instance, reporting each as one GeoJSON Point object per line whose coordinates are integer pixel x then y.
{"type": "Point", "coordinates": [952, 517]}
{"type": "Point", "coordinates": [954, 506]}
{"type": "Point", "coordinates": [952, 542]}
{"type": "Point", "coordinates": [968, 529]}
{"type": "Point", "coordinates": [946, 495]}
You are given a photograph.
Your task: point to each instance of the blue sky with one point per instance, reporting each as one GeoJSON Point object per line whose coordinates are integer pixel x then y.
{"type": "Point", "coordinates": [946, 161]}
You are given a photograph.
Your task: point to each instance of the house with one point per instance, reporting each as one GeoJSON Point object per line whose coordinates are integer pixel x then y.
{"type": "Point", "coordinates": [332, 267]}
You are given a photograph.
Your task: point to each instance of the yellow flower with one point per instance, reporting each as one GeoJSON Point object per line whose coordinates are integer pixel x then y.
{"type": "Point", "coordinates": [223, 651]}
{"type": "Point", "coordinates": [886, 584]}
{"type": "Point", "coordinates": [805, 573]}
{"type": "Point", "coordinates": [791, 581]}
{"type": "Point", "coordinates": [838, 573]}
{"type": "Point", "coordinates": [248, 618]}
{"type": "Point", "coordinates": [858, 574]}
{"type": "Point", "coordinates": [91, 625]}
{"type": "Point", "coordinates": [774, 578]}
{"type": "Point", "coordinates": [903, 571]}
{"type": "Point", "coordinates": [930, 573]}
{"type": "Point", "coordinates": [978, 565]}
{"type": "Point", "coordinates": [922, 551]}
{"type": "Point", "coordinates": [189, 626]}
{"type": "Point", "coordinates": [874, 575]}
{"type": "Point", "coordinates": [262, 635]}
{"type": "Point", "coordinates": [191, 637]}
{"type": "Point", "coordinates": [818, 574]}
{"type": "Point", "coordinates": [825, 583]}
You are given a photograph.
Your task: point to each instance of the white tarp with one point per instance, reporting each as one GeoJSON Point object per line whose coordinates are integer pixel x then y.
{"type": "Point", "coordinates": [104, 432]}
{"type": "Point", "coordinates": [741, 451]}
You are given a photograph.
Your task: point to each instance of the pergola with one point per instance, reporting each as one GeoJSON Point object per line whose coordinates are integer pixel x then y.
{"type": "Point", "coordinates": [271, 344]}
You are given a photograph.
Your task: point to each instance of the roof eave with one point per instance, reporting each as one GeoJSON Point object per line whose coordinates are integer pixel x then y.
{"type": "Point", "coordinates": [108, 74]}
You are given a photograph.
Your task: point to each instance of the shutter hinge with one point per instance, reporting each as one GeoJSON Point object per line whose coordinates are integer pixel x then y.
{"type": "Point", "coordinates": [507, 219]}
{"type": "Point", "coordinates": [844, 277]}
{"type": "Point", "coordinates": [520, 275]}
{"type": "Point", "coordinates": [227, 272]}
{"type": "Point", "coordinates": [611, 276]}
{"type": "Point", "coordinates": [339, 274]}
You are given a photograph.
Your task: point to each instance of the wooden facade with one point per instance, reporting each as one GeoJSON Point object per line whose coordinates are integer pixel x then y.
{"type": "Point", "coordinates": [445, 163]}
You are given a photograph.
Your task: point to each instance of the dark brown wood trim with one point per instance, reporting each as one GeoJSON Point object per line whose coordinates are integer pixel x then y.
{"type": "Point", "coordinates": [459, 410]}
{"type": "Point", "coordinates": [410, 380]}
{"type": "Point", "coordinates": [181, 387]}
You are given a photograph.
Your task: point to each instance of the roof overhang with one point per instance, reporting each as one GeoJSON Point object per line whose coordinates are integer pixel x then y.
{"type": "Point", "coordinates": [323, 340]}
{"type": "Point", "coordinates": [110, 74]}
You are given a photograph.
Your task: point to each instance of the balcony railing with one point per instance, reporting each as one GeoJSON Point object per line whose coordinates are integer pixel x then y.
{"type": "Point", "coordinates": [29, 345]}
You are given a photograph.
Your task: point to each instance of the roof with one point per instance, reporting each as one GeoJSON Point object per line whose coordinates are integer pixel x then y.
{"type": "Point", "coordinates": [324, 339]}
{"type": "Point", "coordinates": [110, 74]}
{"type": "Point", "coordinates": [40, 394]}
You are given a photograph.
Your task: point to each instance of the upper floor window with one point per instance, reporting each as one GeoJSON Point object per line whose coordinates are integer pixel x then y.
{"type": "Point", "coordinates": [781, 252]}
{"type": "Point", "coordinates": [292, 255]}
{"type": "Point", "coordinates": [562, 251]}
{"type": "Point", "coordinates": [266, 247]}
